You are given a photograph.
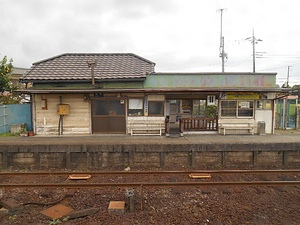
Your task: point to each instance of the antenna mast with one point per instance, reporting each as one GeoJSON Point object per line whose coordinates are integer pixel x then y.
{"type": "Point", "coordinates": [222, 54]}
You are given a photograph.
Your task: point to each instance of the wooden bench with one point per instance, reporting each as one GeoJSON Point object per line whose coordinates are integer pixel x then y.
{"type": "Point", "coordinates": [237, 126]}
{"type": "Point", "coordinates": [144, 128]}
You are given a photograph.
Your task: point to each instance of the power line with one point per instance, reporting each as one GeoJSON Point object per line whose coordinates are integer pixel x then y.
{"type": "Point", "coordinates": [280, 67]}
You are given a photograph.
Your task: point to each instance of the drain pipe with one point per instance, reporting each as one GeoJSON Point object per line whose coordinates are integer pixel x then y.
{"type": "Point", "coordinates": [61, 120]}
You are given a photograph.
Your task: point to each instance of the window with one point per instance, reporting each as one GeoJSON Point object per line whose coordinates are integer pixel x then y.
{"type": "Point", "coordinates": [100, 107]}
{"type": "Point", "coordinates": [228, 108]}
{"type": "Point", "coordinates": [186, 106]}
{"type": "Point", "coordinates": [44, 104]}
{"type": "Point", "coordinates": [156, 108]}
{"type": "Point", "coordinates": [199, 108]}
{"type": "Point", "coordinates": [237, 108]}
{"type": "Point", "coordinates": [264, 104]}
{"type": "Point", "coordinates": [211, 100]}
{"type": "Point", "coordinates": [245, 109]}
{"type": "Point", "coordinates": [108, 107]}
{"type": "Point", "coordinates": [116, 107]}
{"type": "Point", "coordinates": [135, 107]}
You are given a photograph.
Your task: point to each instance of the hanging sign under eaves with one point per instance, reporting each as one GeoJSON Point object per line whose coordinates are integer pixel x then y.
{"type": "Point", "coordinates": [242, 95]}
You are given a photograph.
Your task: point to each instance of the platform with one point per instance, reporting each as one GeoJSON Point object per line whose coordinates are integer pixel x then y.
{"type": "Point", "coordinates": [281, 150]}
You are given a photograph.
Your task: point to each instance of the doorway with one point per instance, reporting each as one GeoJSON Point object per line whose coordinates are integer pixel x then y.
{"type": "Point", "coordinates": [192, 114]}
{"type": "Point", "coordinates": [108, 116]}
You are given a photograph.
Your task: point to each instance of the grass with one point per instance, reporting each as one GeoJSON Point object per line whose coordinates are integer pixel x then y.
{"type": "Point", "coordinates": [8, 134]}
{"type": "Point", "coordinates": [287, 131]}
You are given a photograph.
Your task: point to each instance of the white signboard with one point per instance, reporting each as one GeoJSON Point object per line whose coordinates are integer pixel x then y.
{"type": "Point", "coordinates": [245, 105]}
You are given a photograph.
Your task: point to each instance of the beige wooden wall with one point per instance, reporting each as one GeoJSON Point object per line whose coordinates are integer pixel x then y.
{"type": "Point", "coordinates": [46, 120]}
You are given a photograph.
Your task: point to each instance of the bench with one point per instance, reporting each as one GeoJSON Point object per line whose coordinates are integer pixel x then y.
{"type": "Point", "coordinates": [144, 128]}
{"type": "Point", "coordinates": [237, 126]}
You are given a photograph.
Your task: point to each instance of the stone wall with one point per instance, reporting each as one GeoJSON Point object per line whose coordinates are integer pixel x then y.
{"type": "Point", "coordinates": [185, 156]}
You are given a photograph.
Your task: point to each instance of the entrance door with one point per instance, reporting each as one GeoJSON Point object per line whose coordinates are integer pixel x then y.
{"type": "Point", "coordinates": [108, 116]}
{"type": "Point", "coordinates": [194, 114]}
{"type": "Point", "coordinates": [199, 108]}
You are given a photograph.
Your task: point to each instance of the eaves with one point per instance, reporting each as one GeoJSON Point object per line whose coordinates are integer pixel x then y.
{"type": "Point", "coordinates": [160, 90]}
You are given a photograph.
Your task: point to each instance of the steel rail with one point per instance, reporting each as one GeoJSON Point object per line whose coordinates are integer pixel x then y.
{"type": "Point", "coordinates": [150, 184]}
{"type": "Point", "coordinates": [150, 172]}
{"type": "Point", "coordinates": [143, 185]}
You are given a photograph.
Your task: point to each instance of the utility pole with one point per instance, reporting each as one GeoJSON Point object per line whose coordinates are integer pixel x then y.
{"type": "Point", "coordinates": [288, 77]}
{"type": "Point", "coordinates": [222, 45]}
{"type": "Point", "coordinates": [286, 110]}
{"type": "Point", "coordinates": [254, 41]}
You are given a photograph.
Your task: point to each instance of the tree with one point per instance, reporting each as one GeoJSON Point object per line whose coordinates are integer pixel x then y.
{"type": "Point", "coordinates": [211, 111]}
{"type": "Point", "coordinates": [7, 96]}
{"type": "Point", "coordinates": [296, 89]}
{"type": "Point", "coordinates": [5, 70]}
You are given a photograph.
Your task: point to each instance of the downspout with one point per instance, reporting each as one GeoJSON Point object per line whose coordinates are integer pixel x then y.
{"type": "Point", "coordinates": [273, 117]}
{"type": "Point", "coordinates": [33, 113]}
{"type": "Point", "coordinates": [61, 119]}
{"type": "Point", "coordinates": [219, 110]}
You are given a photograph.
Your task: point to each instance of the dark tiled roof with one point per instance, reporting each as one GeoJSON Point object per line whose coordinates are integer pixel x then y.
{"type": "Point", "coordinates": [74, 66]}
{"type": "Point", "coordinates": [19, 71]}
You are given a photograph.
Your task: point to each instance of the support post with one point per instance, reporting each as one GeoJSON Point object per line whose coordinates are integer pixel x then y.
{"type": "Point", "coordinates": [285, 158]}
{"type": "Point", "coordinates": [142, 198]}
{"type": "Point", "coordinates": [68, 160]}
{"type": "Point", "coordinates": [162, 159]}
{"type": "Point", "coordinates": [224, 158]}
{"type": "Point", "coordinates": [254, 158]}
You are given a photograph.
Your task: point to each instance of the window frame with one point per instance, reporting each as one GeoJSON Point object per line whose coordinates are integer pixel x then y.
{"type": "Point", "coordinates": [211, 100]}
{"type": "Point", "coordinates": [44, 104]}
{"type": "Point", "coordinates": [237, 108]}
{"type": "Point", "coordinates": [143, 107]}
{"type": "Point", "coordinates": [263, 104]}
{"type": "Point", "coordinates": [241, 109]}
{"type": "Point", "coordinates": [108, 107]}
{"type": "Point", "coordinates": [163, 108]}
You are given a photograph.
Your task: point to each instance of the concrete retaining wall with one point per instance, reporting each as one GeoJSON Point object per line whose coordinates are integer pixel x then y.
{"type": "Point", "coordinates": [194, 156]}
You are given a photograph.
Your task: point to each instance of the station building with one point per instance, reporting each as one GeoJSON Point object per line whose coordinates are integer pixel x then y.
{"type": "Point", "coordinates": [120, 93]}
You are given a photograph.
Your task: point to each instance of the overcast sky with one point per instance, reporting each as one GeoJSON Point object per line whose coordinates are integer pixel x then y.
{"type": "Point", "coordinates": [179, 36]}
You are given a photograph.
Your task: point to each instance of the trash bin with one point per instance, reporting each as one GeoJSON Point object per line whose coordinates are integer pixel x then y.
{"type": "Point", "coordinates": [261, 129]}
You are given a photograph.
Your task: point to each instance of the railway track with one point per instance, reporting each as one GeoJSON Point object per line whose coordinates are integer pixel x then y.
{"type": "Point", "coordinates": [145, 183]}
{"type": "Point", "coordinates": [210, 178]}
{"type": "Point", "coordinates": [153, 172]}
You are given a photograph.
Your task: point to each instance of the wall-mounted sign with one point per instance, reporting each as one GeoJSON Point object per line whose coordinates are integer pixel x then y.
{"type": "Point", "coordinates": [245, 105]}
{"type": "Point", "coordinates": [98, 95]}
{"type": "Point", "coordinates": [241, 95]}
{"type": "Point", "coordinates": [146, 106]}
{"type": "Point", "coordinates": [211, 100]}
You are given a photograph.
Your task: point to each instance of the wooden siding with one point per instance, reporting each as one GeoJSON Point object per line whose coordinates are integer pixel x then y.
{"type": "Point", "coordinates": [77, 122]}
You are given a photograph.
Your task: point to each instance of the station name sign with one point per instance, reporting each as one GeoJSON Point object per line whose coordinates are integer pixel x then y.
{"type": "Point", "coordinates": [98, 95]}
{"type": "Point", "coordinates": [242, 95]}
